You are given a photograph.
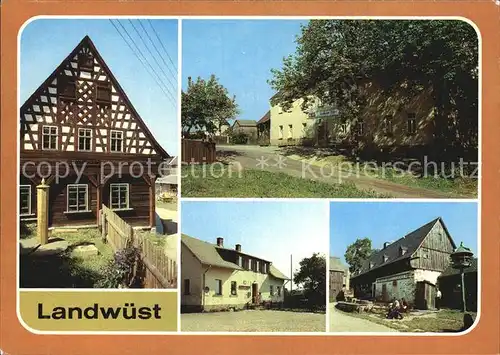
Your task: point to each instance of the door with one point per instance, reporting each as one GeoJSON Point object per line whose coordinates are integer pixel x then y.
{"type": "Point", "coordinates": [385, 296]}
{"type": "Point", "coordinates": [420, 296]}
{"type": "Point", "coordinates": [255, 293]}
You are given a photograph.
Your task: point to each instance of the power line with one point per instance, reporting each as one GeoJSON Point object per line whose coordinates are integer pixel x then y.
{"type": "Point", "coordinates": [174, 74]}
{"type": "Point", "coordinates": [167, 93]}
{"type": "Point", "coordinates": [152, 55]}
{"type": "Point", "coordinates": [161, 43]}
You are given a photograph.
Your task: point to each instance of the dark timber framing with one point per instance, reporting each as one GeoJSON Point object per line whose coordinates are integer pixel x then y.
{"type": "Point", "coordinates": [83, 95]}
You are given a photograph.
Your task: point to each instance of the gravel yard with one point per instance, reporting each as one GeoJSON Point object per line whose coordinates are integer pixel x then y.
{"type": "Point", "coordinates": [254, 321]}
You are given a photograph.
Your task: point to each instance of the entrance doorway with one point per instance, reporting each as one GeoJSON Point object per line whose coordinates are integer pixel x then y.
{"type": "Point", "coordinates": [255, 293]}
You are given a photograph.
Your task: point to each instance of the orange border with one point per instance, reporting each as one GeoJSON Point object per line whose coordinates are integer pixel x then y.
{"type": "Point", "coordinates": [14, 339]}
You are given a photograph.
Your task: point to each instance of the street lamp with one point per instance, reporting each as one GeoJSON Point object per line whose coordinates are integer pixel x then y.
{"type": "Point", "coordinates": [461, 259]}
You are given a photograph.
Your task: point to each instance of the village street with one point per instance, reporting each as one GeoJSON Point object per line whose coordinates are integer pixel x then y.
{"type": "Point", "coordinates": [268, 159]}
{"type": "Point", "coordinates": [254, 321]}
{"type": "Point", "coordinates": [342, 322]}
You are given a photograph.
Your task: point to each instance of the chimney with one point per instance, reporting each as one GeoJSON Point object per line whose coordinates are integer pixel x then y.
{"type": "Point", "coordinates": [386, 244]}
{"type": "Point", "coordinates": [220, 242]}
{"type": "Point", "coordinates": [238, 247]}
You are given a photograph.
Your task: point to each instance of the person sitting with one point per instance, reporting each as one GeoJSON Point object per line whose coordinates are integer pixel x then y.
{"type": "Point", "coordinates": [404, 305]}
{"type": "Point", "coordinates": [394, 310]}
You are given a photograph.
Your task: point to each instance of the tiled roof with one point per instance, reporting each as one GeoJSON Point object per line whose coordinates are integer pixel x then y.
{"type": "Point", "coordinates": [265, 118]}
{"type": "Point", "coordinates": [411, 242]}
{"type": "Point", "coordinates": [208, 254]}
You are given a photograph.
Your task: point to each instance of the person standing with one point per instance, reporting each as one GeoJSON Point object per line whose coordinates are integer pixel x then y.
{"type": "Point", "coordinates": [438, 299]}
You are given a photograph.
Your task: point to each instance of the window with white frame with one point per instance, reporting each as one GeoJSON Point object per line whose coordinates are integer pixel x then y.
{"type": "Point", "coordinates": [290, 131]}
{"type": "Point", "coordinates": [119, 196]}
{"type": "Point", "coordinates": [412, 123]}
{"type": "Point", "coordinates": [77, 198]}
{"type": "Point", "coordinates": [280, 133]}
{"type": "Point", "coordinates": [49, 137]}
{"type": "Point", "coordinates": [304, 128]}
{"type": "Point", "coordinates": [116, 141]}
{"type": "Point", "coordinates": [257, 264]}
{"type": "Point", "coordinates": [271, 290]}
{"type": "Point", "coordinates": [240, 261]}
{"type": "Point", "coordinates": [25, 200]}
{"type": "Point", "coordinates": [85, 139]}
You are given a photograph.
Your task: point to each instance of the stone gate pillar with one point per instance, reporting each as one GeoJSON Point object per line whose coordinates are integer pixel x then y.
{"type": "Point", "coordinates": [43, 212]}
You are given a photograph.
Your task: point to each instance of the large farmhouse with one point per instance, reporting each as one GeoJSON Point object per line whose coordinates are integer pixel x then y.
{"type": "Point", "coordinates": [402, 121]}
{"type": "Point", "coordinates": [80, 132]}
{"type": "Point", "coordinates": [407, 268]}
{"type": "Point", "coordinates": [219, 278]}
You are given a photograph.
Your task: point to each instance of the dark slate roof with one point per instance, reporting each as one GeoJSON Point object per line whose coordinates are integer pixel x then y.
{"type": "Point", "coordinates": [337, 265]}
{"type": "Point", "coordinates": [450, 271]}
{"type": "Point", "coordinates": [207, 254]}
{"type": "Point", "coordinates": [411, 242]}
{"type": "Point", "coordinates": [265, 118]}
{"type": "Point", "coordinates": [247, 123]}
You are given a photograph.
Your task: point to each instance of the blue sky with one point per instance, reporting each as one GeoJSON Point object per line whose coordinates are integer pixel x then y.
{"type": "Point", "coordinates": [46, 42]}
{"type": "Point", "coordinates": [270, 229]}
{"type": "Point", "coordinates": [241, 54]}
{"type": "Point", "coordinates": [389, 221]}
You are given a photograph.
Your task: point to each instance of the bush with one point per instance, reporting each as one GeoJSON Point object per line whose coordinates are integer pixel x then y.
{"type": "Point", "coordinates": [239, 138]}
{"type": "Point", "coordinates": [120, 272]}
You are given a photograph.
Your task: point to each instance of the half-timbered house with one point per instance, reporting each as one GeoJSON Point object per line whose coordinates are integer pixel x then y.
{"type": "Point", "coordinates": [81, 133]}
{"type": "Point", "coordinates": [407, 268]}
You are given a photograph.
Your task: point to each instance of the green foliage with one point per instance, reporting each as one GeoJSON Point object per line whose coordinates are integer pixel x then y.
{"type": "Point", "coordinates": [119, 272]}
{"type": "Point", "coordinates": [239, 138]}
{"type": "Point", "coordinates": [334, 59]}
{"type": "Point", "coordinates": [312, 277]}
{"type": "Point", "coordinates": [206, 105]}
{"type": "Point", "coordinates": [358, 251]}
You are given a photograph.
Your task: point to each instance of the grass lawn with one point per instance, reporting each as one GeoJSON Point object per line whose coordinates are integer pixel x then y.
{"type": "Point", "coordinates": [66, 270]}
{"type": "Point", "coordinates": [257, 183]}
{"type": "Point", "coordinates": [461, 187]}
{"type": "Point", "coordinates": [445, 320]}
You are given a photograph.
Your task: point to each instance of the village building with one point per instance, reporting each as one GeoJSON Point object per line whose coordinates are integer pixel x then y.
{"type": "Point", "coordinates": [81, 121]}
{"type": "Point", "coordinates": [248, 127]}
{"type": "Point", "coordinates": [339, 277]}
{"type": "Point", "coordinates": [263, 128]}
{"type": "Point", "coordinates": [402, 121]}
{"type": "Point", "coordinates": [218, 278]}
{"type": "Point", "coordinates": [408, 268]}
{"type": "Point", "coordinates": [168, 181]}
{"type": "Point", "coordinates": [292, 126]}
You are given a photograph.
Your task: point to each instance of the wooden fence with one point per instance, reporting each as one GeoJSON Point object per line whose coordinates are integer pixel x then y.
{"type": "Point", "coordinates": [198, 151]}
{"type": "Point", "coordinates": [156, 269]}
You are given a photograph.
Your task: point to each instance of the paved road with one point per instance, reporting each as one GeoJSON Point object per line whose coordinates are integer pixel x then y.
{"type": "Point", "coordinates": [249, 157]}
{"type": "Point", "coordinates": [342, 322]}
{"type": "Point", "coordinates": [254, 321]}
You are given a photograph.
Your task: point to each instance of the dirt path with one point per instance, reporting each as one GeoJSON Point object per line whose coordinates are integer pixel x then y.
{"type": "Point", "coordinates": [343, 322]}
{"type": "Point", "coordinates": [254, 321]}
{"type": "Point", "coordinates": [268, 158]}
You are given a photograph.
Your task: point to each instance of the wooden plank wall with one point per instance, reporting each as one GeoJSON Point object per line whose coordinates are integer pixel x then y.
{"type": "Point", "coordinates": [197, 151]}
{"type": "Point", "coordinates": [159, 270]}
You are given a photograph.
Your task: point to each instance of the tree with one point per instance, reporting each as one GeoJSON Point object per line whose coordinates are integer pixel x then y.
{"type": "Point", "coordinates": [312, 277]}
{"type": "Point", "coordinates": [206, 105]}
{"type": "Point", "coordinates": [335, 58]}
{"type": "Point", "coordinates": [358, 251]}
